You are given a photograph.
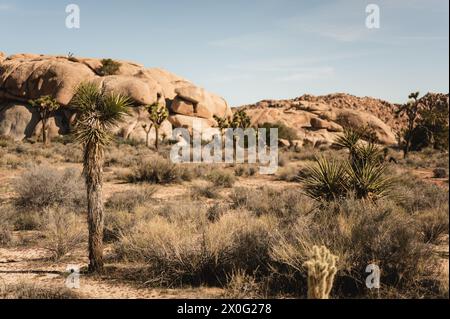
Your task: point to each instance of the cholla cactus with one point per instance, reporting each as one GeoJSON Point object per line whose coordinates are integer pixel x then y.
{"type": "Point", "coordinates": [321, 271]}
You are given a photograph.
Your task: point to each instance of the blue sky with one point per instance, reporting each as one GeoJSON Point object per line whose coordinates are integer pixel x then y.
{"type": "Point", "coordinates": [250, 50]}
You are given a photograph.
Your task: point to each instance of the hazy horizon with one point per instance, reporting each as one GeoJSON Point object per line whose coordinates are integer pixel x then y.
{"type": "Point", "coordinates": [253, 50]}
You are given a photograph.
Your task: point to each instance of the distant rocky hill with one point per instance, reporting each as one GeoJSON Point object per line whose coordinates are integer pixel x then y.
{"type": "Point", "coordinates": [29, 76]}
{"type": "Point", "coordinates": [319, 119]}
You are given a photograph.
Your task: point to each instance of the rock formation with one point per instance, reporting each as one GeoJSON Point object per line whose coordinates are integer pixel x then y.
{"type": "Point", "coordinates": [318, 120]}
{"type": "Point", "coordinates": [29, 76]}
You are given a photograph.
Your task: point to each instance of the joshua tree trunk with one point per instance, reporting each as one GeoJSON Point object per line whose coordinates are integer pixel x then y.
{"type": "Point", "coordinates": [156, 137]}
{"type": "Point", "coordinates": [44, 131]}
{"type": "Point", "coordinates": [146, 138]}
{"type": "Point", "coordinates": [94, 184]}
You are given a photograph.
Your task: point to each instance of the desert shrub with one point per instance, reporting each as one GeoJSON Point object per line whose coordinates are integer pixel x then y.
{"type": "Point", "coordinates": [433, 224]}
{"type": "Point", "coordinates": [440, 172]}
{"type": "Point", "coordinates": [285, 204]}
{"type": "Point", "coordinates": [27, 220]}
{"type": "Point", "coordinates": [12, 161]}
{"type": "Point", "coordinates": [288, 174]}
{"type": "Point", "coordinates": [180, 245]}
{"type": "Point", "coordinates": [109, 67]}
{"type": "Point", "coordinates": [34, 291]}
{"type": "Point", "coordinates": [128, 200]}
{"type": "Point", "coordinates": [221, 178]}
{"type": "Point", "coordinates": [117, 224]}
{"type": "Point", "coordinates": [5, 232]}
{"type": "Point", "coordinates": [63, 231]}
{"type": "Point", "coordinates": [361, 233]}
{"type": "Point", "coordinates": [245, 170]}
{"type": "Point", "coordinates": [204, 191]}
{"type": "Point", "coordinates": [41, 187]}
{"type": "Point", "coordinates": [160, 171]}
{"type": "Point", "coordinates": [241, 285]}
{"type": "Point", "coordinates": [416, 195]}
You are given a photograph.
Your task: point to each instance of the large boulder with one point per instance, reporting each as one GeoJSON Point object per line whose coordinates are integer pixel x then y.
{"type": "Point", "coordinates": [364, 120]}
{"type": "Point", "coordinates": [17, 121]}
{"type": "Point", "coordinates": [142, 92]}
{"type": "Point", "coordinates": [30, 79]}
{"type": "Point", "coordinates": [28, 76]}
{"type": "Point", "coordinates": [205, 104]}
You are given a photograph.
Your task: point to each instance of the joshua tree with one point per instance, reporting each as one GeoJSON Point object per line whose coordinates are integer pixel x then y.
{"type": "Point", "coordinates": [411, 109]}
{"type": "Point", "coordinates": [97, 113]}
{"type": "Point", "coordinates": [240, 120]}
{"type": "Point", "coordinates": [222, 123]}
{"type": "Point", "coordinates": [45, 105]}
{"type": "Point", "coordinates": [158, 114]}
{"type": "Point", "coordinates": [147, 129]}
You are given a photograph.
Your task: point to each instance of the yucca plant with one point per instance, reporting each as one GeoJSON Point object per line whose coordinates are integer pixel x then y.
{"type": "Point", "coordinates": [326, 179]}
{"type": "Point", "coordinates": [368, 180]}
{"type": "Point", "coordinates": [367, 153]}
{"type": "Point", "coordinates": [97, 113]}
{"type": "Point", "coordinates": [348, 140]}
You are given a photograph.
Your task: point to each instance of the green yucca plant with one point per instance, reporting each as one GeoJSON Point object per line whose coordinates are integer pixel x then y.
{"type": "Point", "coordinates": [363, 173]}
{"type": "Point", "coordinates": [349, 139]}
{"type": "Point", "coordinates": [368, 180]}
{"type": "Point", "coordinates": [366, 153]}
{"type": "Point", "coordinates": [326, 179]}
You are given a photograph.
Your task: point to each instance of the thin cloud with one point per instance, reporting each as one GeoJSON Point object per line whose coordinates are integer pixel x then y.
{"type": "Point", "coordinates": [5, 7]}
{"type": "Point", "coordinates": [308, 74]}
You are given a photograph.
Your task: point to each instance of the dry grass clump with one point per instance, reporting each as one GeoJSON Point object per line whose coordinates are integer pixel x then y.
{"type": "Point", "coordinates": [241, 285]}
{"type": "Point", "coordinates": [285, 204]}
{"type": "Point", "coordinates": [128, 200]}
{"type": "Point", "coordinates": [288, 174]}
{"type": "Point", "coordinates": [433, 224]}
{"type": "Point", "coordinates": [44, 186]}
{"type": "Point", "coordinates": [221, 178]}
{"type": "Point", "coordinates": [159, 171]}
{"type": "Point", "coordinates": [199, 191]}
{"type": "Point", "coordinates": [63, 231]}
{"type": "Point", "coordinates": [35, 291]}
{"type": "Point", "coordinates": [428, 158]}
{"type": "Point", "coordinates": [416, 195]}
{"type": "Point", "coordinates": [242, 170]}
{"type": "Point", "coordinates": [183, 247]}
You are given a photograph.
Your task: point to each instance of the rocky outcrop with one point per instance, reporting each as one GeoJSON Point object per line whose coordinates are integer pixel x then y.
{"type": "Point", "coordinates": [28, 76]}
{"type": "Point", "coordinates": [315, 121]}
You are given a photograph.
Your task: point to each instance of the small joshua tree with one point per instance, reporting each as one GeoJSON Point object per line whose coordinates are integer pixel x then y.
{"type": "Point", "coordinates": [147, 129]}
{"type": "Point", "coordinates": [240, 120]}
{"type": "Point", "coordinates": [45, 105]}
{"type": "Point", "coordinates": [158, 114]}
{"type": "Point", "coordinates": [322, 269]}
{"type": "Point", "coordinates": [411, 110]}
